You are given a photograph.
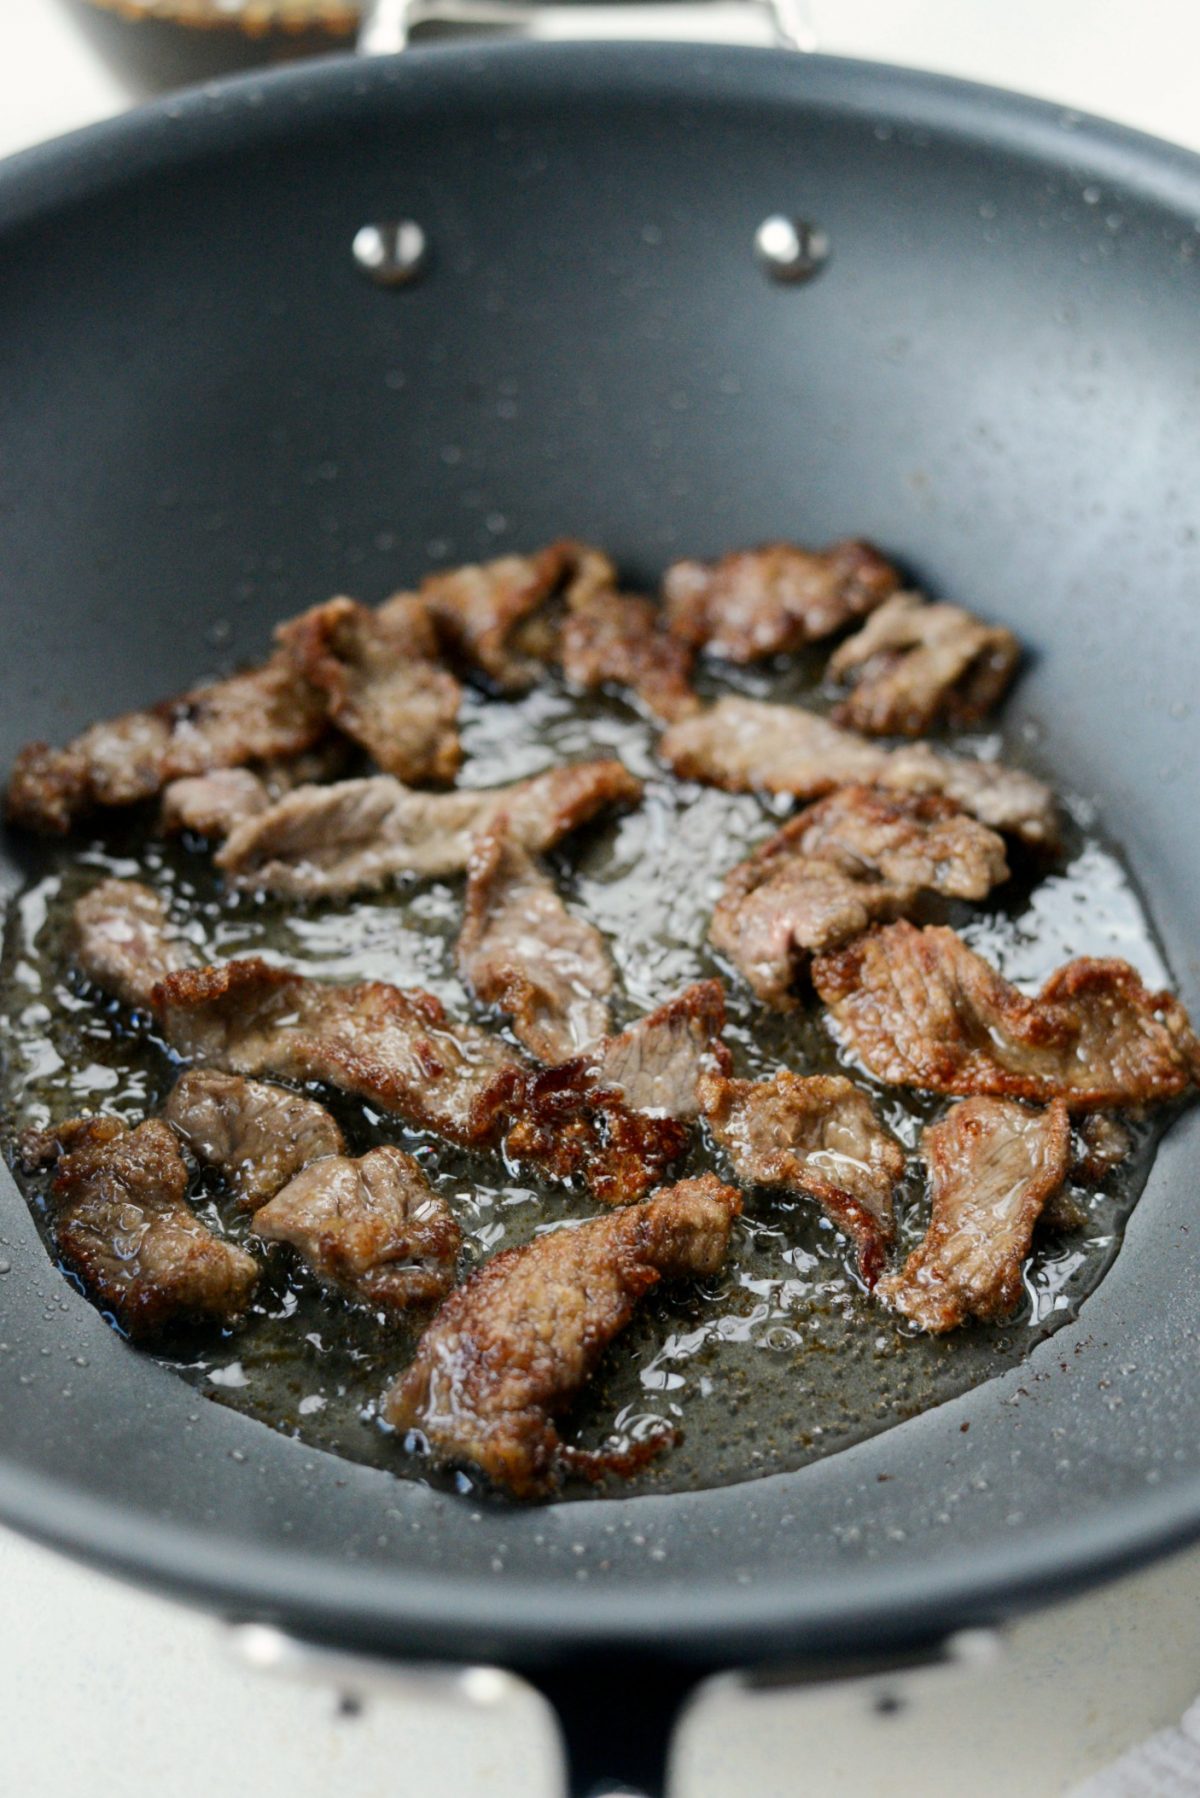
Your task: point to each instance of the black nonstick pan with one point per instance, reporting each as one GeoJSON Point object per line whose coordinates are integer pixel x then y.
{"type": "Point", "coordinates": [995, 372]}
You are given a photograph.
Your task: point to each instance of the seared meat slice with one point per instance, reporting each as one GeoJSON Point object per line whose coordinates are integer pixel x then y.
{"type": "Point", "coordinates": [382, 682]}
{"type": "Point", "coordinates": [615, 639]}
{"type": "Point", "coordinates": [123, 942]}
{"type": "Point", "coordinates": [857, 856]}
{"type": "Point", "coordinates": [914, 665]}
{"type": "Point", "coordinates": [259, 1136]}
{"type": "Point", "coordinates": [321, 842]}
{"type": "Point", "coordinates": [372, 1227]}
{"type": "Point", "coordinates": [508, 1351]}
{"type": "Point", "coordinates": [39, 1149]}
{"type": "Point", "coordinates": [498, 617]}
{"type": "Point", "coordinates": [619, 1117]}
{"type": "Point", "coordinates": [267, 712]}
{"type": "Point", "coordinates": [817, 1135]}
{"type": "Point", "coordinates": [211, 805]}
{"type": "Point", "coordinates": [766, 602]}
{"type": "Point", "coordinates": [122, 1223]}
{"type": "Point", "coordinates": [746, 745]}
{"type": "Point", "coordinates": [397, 1049]}
{"type": "Point", "coordinates": [1007, 799]}
{"type": "Point", "coordinates": [522, 950]}
{"type": "Point", "coordinates": [565, 1121]}
{"type": "Point", "coordinates": [656, 1063]}
{"type": "Point", "coordinates": [921, 1009]}
{"type": "Point", "coordinates": [993, 1165]}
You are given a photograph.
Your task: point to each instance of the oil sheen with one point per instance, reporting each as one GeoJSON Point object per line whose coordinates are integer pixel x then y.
{"type": "Point", "coordinates": [782, 1358]}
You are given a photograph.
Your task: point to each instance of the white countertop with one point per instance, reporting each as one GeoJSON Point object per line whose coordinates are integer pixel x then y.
{"type": "Point", "coordinates": [102, 1686]}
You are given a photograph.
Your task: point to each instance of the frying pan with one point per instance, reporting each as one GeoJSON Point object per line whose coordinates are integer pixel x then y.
{"type": "Point", "coordinates": [210, 416]}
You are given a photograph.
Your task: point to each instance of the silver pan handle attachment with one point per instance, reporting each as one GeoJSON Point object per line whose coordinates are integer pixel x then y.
{"type": "Point", "coordinates": [391, 25]}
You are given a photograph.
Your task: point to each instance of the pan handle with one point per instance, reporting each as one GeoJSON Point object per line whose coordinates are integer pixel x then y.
{"type": "Point", "coordinates": [618, 1721]}
{"type": "Point", "coordinates": [390, 25]}
{"type": "Point", "coordinates": [612, 1724]}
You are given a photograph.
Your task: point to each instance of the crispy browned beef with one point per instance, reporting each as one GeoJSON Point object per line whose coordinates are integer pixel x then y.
{"type": "Point", "coordinates": [123, 942]}
{"type": "Point", "coordinates": [502, 619]}
{"type": "Point", "coordinates": [382, 682]}
{"type": "Point", "coordinates": [321, 842]}
{"type": "Point", "coordinates": [619, 1118]}
{"type": "Point", "coordinates": [616, 639]}
{"type": "Point", "coordinates": [398, 1049]}
{"type": "Point", "coordinates": [123, 1224]}
{"type": "Point", "coordinates": [993, 1165]}
{"type": "Point", "coordinates": [372, 1227]}
{"type": "Point", "coordinates": [656, 1063]}
{"type": "Point", "coordinates": [921, 1009]}
{"type": "Point", "coordinates": [520, 949]}
{"type": "Point", "coordinates": [746, 745]}
{"type": "Point", "coordinates": [765, 602]}
{"type": "Point", "coordinates": [39, 1149]}
{"type": "Point", "coordinates": [914, 665]}
{"type": "Point", "coordinates": [857, 856]}
{"type": "Point", "coordinates": [571, 1127]}
{"type": "Point", "coordinates": [1103, 1144]}
{"type": "Point", "coordinates": [511, 1348]}
{"type": "Point", "coordinates": [817, 1135]}
{"type": "Point", "coordinates": [265, 713]}
{"type": "Point", "coordinates": [259, 1136]}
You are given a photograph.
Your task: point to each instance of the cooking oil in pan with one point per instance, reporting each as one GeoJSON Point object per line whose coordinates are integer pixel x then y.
{"type": "Point", "coordinates": [780, 1359]}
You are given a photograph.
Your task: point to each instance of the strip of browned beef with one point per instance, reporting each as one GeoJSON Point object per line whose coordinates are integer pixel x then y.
{"type": "Point", "coordinates": [520, 949]}
{"type": "Point", "coordinates": [503, 619]}
{"type": "Point", "coordinates": [921, 1009]}
{"type": "Point", "coordinates": [657, 1062]}
{"type": "Point", "coordinates": [764, 602]}
{"type": "Point", "coordinates": [858, 856]}
{"type": "Point", "coordinates": [508, 1351]}
{"type": "Point", "coordinates": [372, 1227]}
{"type": "Point", "coordinates": [321, 842]}
{"type": "Point", "coordinates": [123, 1224]}
{"type": "Point", "coordinates": [748, 745]}
{"type": "Point", "coordinates": [395, 1048]}
{"type": "Point", "coordinates": [400, 1051]}
{"type": "Point", "coordinates": [815, 1135]}
{"type": "Point", "coordinates": [382, 682]}
{"type": "Point", "coordinates": [618, 640]}
{"type": "Point", "coordinates": [637, 1094]}
{"type": "Point", "coordinates": [123, 942]}
{"type": "Point", "coordinates": [266, 713]}
{"type": "Point", "coordinates": [993, 1165]}
{"type": "Point", "coordinates": [212, 805]}
{"type": "Point", "coordinates": [259, 1136]}
{"type": "Point", "coordinates": [914, 666]}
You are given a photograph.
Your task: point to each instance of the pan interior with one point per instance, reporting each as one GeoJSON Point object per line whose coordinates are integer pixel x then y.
{"type": "Point", "coordinates": [781, 1359]}
{"type": "Point", "coordinates": [210, 418]}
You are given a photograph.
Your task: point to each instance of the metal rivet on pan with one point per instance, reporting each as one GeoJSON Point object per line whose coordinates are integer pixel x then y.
{"type": "Point", "coordinates": [392, 253]}
{"type": "Point", "coordinates": [790, 249]}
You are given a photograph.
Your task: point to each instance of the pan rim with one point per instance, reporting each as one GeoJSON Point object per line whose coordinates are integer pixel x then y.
{"type": "Point", "coordinates": [866, 1605]}
{"type": "Point", "coordinates": [531, 1623]}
